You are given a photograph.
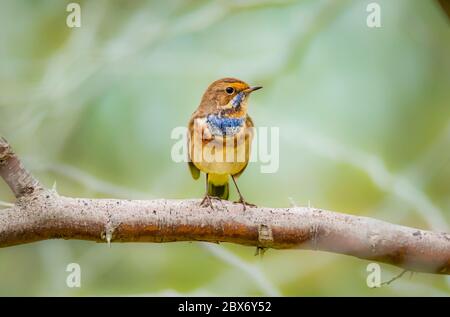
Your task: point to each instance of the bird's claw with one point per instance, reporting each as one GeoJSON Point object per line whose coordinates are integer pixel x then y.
{"type": "Point", "coordinates": [244, 203]}
{"type": "Point", "coordinates": [207, 202]}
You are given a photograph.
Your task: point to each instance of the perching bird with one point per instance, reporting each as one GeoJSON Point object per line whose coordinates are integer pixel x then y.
{"type": "Point", "coordinates": [220, 133]}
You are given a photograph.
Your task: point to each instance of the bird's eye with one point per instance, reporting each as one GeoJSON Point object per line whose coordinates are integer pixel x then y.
{"type": "Point", "coordinates": [229, 90]}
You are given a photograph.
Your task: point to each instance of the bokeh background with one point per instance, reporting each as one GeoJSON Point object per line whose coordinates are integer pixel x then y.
{"type": "Point", "coordinates": [364, 118]}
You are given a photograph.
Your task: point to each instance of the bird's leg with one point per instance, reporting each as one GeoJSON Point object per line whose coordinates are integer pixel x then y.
{"type": "Point", "coordinates": [207, 202]}
{"type": "Point", "coordinates": [241, 198]}
{"type": "Point", "coordinates": [207, 199]}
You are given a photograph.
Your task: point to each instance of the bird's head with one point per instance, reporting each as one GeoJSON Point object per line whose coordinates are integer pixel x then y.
{"type": "Point", "coordinates": [227, 96]}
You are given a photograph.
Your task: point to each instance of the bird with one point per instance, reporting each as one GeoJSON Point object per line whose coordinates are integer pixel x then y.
{"type": "Point", "coordinates": [220, 133]}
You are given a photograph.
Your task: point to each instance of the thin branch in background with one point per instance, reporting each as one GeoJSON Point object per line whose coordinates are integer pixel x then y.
{"type": "Point", "coordinates": [298, 46]}
{"type": "Point", "coordinates": [433, 161]}
{"type": "Point", "coordinates": [88, 180]}
{"type": "Point", "coordinates": [251, 270]}
{"type": "Point", "coordinates": [375, 169]}
{"type": "Point", "coordinates": [5, 204]}
{"type": "Point", "coordinates": [62, 73]}
{"type": "Point", "coordinates": [145, 35]}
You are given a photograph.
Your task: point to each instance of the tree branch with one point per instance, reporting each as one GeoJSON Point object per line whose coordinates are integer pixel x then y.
{"type": "Point", "coordinates": [15, 175]}
{"type": "Point", "coordinates": [41, 214]}
{"type": "Point", "coordinates": [445, 5]}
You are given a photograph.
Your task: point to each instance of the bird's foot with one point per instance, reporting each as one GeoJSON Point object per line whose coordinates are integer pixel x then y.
{"type": "Point", "coordinates": [244, 203]}
{"type": "Point", "coordinates": [207, 201]}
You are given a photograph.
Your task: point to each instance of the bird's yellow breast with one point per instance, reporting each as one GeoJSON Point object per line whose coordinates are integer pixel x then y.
{"type": "Point", "coordinates": [212, 154]}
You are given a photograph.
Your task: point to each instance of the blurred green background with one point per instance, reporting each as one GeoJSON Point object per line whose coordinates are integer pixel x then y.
{"type": "Point", "coordinates": [364, 118]}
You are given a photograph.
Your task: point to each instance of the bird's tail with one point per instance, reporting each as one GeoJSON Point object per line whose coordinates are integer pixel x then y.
{"type": "Point", "coordinates": [221, 191]}
{"type": "Point", "coordinates": [218, 187]}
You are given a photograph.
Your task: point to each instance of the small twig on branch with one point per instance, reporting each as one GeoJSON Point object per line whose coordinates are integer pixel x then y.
{"type": "Point", "coordinates": [395, 277]}
{"type": "Point", "coordinates": [41, 214]}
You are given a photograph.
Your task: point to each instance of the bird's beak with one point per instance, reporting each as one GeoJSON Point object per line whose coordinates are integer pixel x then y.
{"type": "Point", "coordinates": [251, 89]}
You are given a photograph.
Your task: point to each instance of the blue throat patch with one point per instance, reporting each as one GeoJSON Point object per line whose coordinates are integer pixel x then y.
{"type": "Point", "coordinates": [224, 126]}
{"type": "Point", "coordinates": [236, 102]}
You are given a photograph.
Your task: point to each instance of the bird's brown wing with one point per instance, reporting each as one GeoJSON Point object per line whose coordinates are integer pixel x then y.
{"type": "Point", "coordinates": [195, 172]}
{"type": "Point", "coordinates": [248, 124]}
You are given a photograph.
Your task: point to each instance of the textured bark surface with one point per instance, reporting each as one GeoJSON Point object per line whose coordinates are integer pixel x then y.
{"type": "Point", "coordinates": [19, 180]}
{"type": "Point", "coordinates": [41, 214]}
